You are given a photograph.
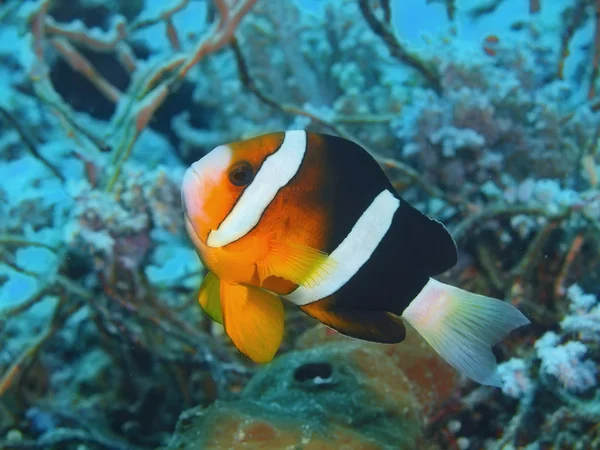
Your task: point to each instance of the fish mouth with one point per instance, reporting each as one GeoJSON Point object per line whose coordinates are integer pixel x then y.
{"type": "Point", "coordinates": [190, 200]}
{"type": "Point", "coordinates": [192, 232]}
{"type": "Point", "coordinates": [199, 181]}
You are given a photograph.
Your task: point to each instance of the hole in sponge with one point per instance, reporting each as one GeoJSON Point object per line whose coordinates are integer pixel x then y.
{"type": "Point", "coordinates": [317, 373]}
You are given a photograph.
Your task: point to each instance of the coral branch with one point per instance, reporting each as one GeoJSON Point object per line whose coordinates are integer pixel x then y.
{"type": "Point", "coordinates": [516, 423]}
{"type": "Point", "coordinates": [596, 59]}
{"type": "Point", "coordinates": [142, 114]}
{"type": "Point", "coordinates": [490, 265]}
{"type": "Point", "coordinates": [559, 284]}
{"type": "Point", "coordinates": [493, 212]}
{"type": "Point", "coordinates": [521, 272]}
{"type": "Point", "coordinates": [79, 63]}
{"type": "Point", "coordinates": [173, 36]}
{"type": "Point", "coordinates": [111, 41]}
{"type": "Point", "coordinates": [8, 239]}
{"type": "Point", "coordinates": [398, 51]}
{"type": "Point", "coordinates": [36, 297]}
{"type": "Point", "coordinates": [199, 345]}
{"type": "Point", "coordinates": [126, 57]}
{"type": "Point", "coordinates": [220, 36]}
{"type": "Point", "coordinates": [8, 10]}
{"type": "Point", "coordinates": [484, 9]}
{"type": "Point", "coordinates": [164, 15]}
{"type": "Point", "coordinates": [147, 107]}
{"type": "Point", "coordinates": [574, 22]}
{"type": "Point", "coordinates": [223, 11]}
{"type": "Point", "coordinates": [534, 252]}
{"type": "Point", "coordinates": [78, 34]}
{"type": "Point", "coordinates": [9, 261]}
{"type": "Point", "coordinates": [40, 68]}
{"type": "Point", "coordinates": [46, 94]}
{"type": "Point", "coordinates": [451, 9]}
{"type": "Point", "coordinates": [159, 72]}
{"type": "Point", "coordinates": [534, 6]}
{"type": "Point", "coordinates": [389, 163]}
{"type": "Point", "coordinates": [29, 144]}
{"type": "Point", "coordinates": [17, 368]}
{"type": "Point", "coordinates": [594, 107]}
{"type": "Point", "coordinates": [365, 119]}
{"type": "Point", "coordinates": [387, 11]}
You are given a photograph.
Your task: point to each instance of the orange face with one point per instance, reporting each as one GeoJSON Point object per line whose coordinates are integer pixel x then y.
{"type": "Point", "coordinates": [213, 184]}
{"type": "Point", "coordinates": [211, 188]}
{"type": "Point", "coordinates": [242, 196]}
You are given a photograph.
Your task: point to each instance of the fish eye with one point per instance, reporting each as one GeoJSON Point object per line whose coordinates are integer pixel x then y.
{"type": "Point", "coordinates": [241, 173]}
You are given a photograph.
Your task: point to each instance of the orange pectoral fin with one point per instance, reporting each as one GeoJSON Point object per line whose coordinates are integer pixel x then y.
{"type": "Point", "coordinates": [209, 297]}
{"type": "Point", "coordinates": [254, 320]}
{"type": "Point", "coordinates": [300, 264]}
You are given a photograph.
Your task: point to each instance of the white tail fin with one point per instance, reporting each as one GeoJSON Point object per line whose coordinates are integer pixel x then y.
{"type": "Point", "coordinates": [462, 327]}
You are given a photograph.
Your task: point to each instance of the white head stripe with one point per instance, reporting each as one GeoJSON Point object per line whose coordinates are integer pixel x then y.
{"type": "Point", "coordinates": [277, 170]}
{"type": "Point", "coordinates": [354, 251]}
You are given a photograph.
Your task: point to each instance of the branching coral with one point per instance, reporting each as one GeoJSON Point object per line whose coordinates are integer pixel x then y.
{"type": "Point", "coordinates": [561, 365]}
{"type": "Point", "coordinates": [110, 228]}
{"type": "Point", "coordinates": [152, 81]}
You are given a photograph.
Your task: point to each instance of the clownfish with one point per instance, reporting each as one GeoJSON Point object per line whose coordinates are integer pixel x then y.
{"type": "Point", "coordinates": [313, 219]}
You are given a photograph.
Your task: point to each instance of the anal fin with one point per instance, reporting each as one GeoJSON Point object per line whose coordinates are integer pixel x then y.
{"type": "Point", "coordinates": [368, 325]}
{"type": "Point", "coordinates": [253, 319]}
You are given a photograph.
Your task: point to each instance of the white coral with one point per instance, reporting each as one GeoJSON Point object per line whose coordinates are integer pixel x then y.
{"type": "Point", "coordinates": [566, 362]}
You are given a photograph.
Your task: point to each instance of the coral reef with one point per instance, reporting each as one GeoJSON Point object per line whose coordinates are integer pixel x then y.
{"type": "Point", "coordinates": [484, 115]}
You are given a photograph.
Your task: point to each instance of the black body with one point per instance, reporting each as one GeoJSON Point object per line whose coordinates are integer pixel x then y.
{"type": "Point", "coordinates": [415, 248]}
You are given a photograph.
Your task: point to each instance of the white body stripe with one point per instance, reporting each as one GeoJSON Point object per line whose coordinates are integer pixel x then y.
{"type": "Point", "coordinates": [354, 251]}
{"type": "Point", "coordinates": [277, 170]}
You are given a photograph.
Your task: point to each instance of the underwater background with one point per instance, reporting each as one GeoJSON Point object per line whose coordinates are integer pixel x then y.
{"type": "Point", "coordinates": [485, 114]}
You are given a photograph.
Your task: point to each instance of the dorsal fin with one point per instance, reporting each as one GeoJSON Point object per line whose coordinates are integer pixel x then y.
{"type": "Point", "coordinates": [436, 248]}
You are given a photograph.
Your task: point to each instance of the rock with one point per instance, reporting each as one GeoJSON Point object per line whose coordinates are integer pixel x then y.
{"type": "Point", "coordinates": [433, 380]}
{"type": "Point", "coordinates": [340, 394]}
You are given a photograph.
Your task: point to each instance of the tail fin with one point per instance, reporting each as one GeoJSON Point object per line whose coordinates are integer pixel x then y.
{"type": "Point", "coordinates": [462, 327]}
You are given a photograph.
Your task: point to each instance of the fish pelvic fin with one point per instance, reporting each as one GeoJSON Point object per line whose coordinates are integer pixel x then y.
{"type": "Point", "coordinates": [253, 320]}
{"type": "Point", "coordinates": [375, 326]}
{"type": "Point", "coordinates": [300, 264]}
{"type": "Point", "coordinates": [209, 297]}
{"type": "Point", "coordinates": [462, 327]}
